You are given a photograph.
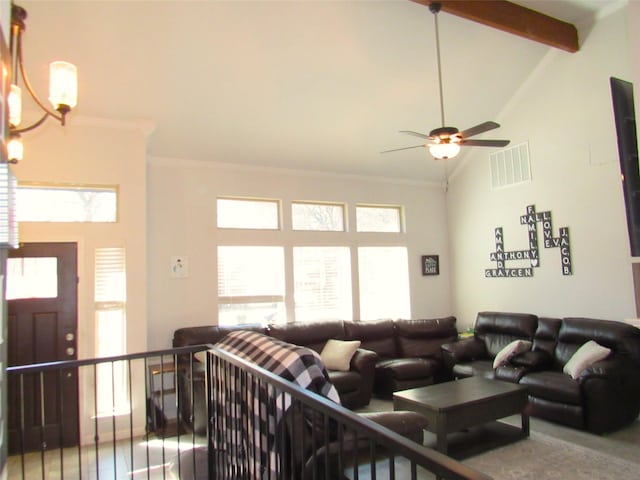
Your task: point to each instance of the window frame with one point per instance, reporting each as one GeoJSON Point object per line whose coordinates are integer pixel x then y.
{"type": "Point", "coordinates": [401, 217]}
{"type": "Point", "coordinates": [342, 206]}
{"type": "Point", "coordinates": [70, 187]}
{"type": "Point", "coordinates": [277, 202]}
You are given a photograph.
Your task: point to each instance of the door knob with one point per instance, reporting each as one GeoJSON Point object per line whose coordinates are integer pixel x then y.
{"type": "Point", "coordinates": [71, 351]}
{"type": "Point", "coordinates": [69, 337]}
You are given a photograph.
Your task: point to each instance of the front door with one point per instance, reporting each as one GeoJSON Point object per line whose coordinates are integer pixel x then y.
{"type": "Point", "coordinates": [42, 315]}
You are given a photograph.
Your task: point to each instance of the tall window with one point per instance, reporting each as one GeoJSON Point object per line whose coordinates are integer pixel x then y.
{"type": "Point", "coordinates": [58, 203]}
{"type": "Point", "coordinates": [251, 285]}
{"type": "Point", "coordinates": [322, 283]}
{"type": "Point", "coordinates": [384, 282]}
{"type": "Point", "coordinates": [110, 308]}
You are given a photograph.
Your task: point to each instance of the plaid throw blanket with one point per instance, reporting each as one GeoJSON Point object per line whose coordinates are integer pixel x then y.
{"type": "Point", "coordinates": [252, 412]}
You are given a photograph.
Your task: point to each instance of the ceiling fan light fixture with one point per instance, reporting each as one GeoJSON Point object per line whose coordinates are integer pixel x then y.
{"type": "Point", "coordinates": [444, 151]}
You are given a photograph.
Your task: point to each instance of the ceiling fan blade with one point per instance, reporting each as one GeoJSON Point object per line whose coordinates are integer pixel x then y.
{"type": "Point", "coordinates": [485, 143]}
{"type": "Point", "coordinates": [483, 127]}
{"type": "Point", "coordinates": [403, 148]}
{"type": "Point", "coordinates": [415, 134]}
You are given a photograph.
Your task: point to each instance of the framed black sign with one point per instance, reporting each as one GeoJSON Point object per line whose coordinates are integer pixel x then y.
{"type": "Point", "coordinates": [430, 265]}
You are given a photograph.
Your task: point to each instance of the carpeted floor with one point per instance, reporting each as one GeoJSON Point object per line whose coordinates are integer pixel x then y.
{"type": "Point", "coordinates": [542, 457]}
{"type": "Point", "coordinates": [555, 452]}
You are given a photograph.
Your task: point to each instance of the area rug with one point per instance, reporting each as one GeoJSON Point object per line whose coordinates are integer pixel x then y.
{"type": "Point", "coordinates": [541, 457]}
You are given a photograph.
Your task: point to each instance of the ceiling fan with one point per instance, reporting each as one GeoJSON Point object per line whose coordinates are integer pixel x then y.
{"type": "Point", "coordinates": [445, 142]}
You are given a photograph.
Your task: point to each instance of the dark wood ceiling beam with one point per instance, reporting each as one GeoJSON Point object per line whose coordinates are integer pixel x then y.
{"type": "Point", "coordinates": [516, 19]}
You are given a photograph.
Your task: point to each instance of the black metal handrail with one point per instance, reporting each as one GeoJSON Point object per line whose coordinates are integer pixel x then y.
{"type": "Point", "coordinates": [372, 437]}
{"type": "Point", "coordinates": [113, 432]}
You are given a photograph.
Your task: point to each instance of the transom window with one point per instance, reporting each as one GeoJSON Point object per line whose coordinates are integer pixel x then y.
{"type": "Point", "coordinates": [66, 203]}
{"type": "Point", "coordinates": [375, 218]}
{"type": "Point", "coordinates": [248, 213]}
{"type": "Point", "coordinates": [317, 216]}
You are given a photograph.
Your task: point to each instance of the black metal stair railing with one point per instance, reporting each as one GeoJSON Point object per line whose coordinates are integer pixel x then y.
{"type": "Point", "coordinates": [125, 424]}
{"type": "Point", "coordinates": [264, 427]}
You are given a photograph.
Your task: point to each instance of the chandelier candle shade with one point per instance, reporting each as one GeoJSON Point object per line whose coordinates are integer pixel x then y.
{"type": "Point", "coordinates": [63, 89]}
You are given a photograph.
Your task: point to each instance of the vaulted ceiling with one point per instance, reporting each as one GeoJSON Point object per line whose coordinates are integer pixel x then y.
{"type": "Point", "coordinates": [314, 85]}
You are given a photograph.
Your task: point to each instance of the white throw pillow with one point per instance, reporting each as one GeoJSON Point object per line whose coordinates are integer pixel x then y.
{"type": "Point", "coordinates": [513, 348]}
{"type": "Point", "coordinates": [201, 356]}
{"type": "Point", "coordinates": [336, 354]}
{"type": "Point", "coordinates": [589, 353]}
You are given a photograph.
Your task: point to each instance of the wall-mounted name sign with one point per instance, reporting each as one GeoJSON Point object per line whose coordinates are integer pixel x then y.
{"type": "Point", "coordinates": [532, 256]}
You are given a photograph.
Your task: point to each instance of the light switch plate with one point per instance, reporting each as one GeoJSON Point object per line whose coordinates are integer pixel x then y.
{"type": "Point", "coordinates": [179, 267]}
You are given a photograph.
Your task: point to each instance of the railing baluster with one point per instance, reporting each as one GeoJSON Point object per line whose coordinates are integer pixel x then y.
{"type": "Point", "coordinates": [130, 397]}
{"type": "Point", "coordinates": [96, 435]}
{"type": "Point", "coordinates": [164, 418]}
{"type": "Point", "coordinates": [113, 419]}
{"type": "Point", "coordinates": [59, 381]}
{"type": "Point", "coordinates": [175, 393]}
{"type": "Point", "coordinates": [22, 426]}
{"type": "Point", "coordinates": [43, 441]}
{"type": "Point", "coordinates": [150, 407]}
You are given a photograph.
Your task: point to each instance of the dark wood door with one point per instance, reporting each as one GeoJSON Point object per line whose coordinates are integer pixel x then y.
{"type": "Point", "coordinates": [41, 295]}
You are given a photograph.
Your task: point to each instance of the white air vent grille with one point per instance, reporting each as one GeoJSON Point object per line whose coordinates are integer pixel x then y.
{"type": "Point", "coordinates": [510, 166]}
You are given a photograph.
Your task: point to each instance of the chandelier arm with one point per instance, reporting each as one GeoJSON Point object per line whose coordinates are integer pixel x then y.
{"type": "Point", "coordinates": [33, 126]}
{"type": "Point", "coordinates": [27, 84]}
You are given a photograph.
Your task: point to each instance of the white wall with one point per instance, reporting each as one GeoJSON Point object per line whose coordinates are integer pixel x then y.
{"type": "Point", "coordinates": [564, 111]}
{"type": "Point", "coordinates": [86, 152]}
{"type": "Point", "coordinates": [182, 198]}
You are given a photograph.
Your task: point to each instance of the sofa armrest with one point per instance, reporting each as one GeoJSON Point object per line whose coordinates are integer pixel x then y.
{"type": "Point", "coordinates": [616, 368]}
{"type": "Point", "coordinates": [364, 361]}
{"type": "Point", "coordinates": [465, 350]}
{"type": "Point", "coordinates": [532, 360]}
{"type": "Point", "coordinates": [461, 351]}
{"type": "Point", "coordinates": [611, 394]}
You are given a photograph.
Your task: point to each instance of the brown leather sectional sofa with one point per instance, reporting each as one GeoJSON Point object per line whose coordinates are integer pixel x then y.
{"type": "Point", "coordinates": [394, 355]}
{"type": "Point", "coordinates": [605, 396]}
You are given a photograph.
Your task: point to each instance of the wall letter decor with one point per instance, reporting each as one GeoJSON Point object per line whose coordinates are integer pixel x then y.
{"type": "Point", "coordinates": [531, 220]}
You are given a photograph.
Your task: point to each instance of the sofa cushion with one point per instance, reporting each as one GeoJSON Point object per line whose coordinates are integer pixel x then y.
{"type": "Point", "coordinates": [585, 356]}
{"type": "Point", "coordinates": [532, 360]}
{"type": "Point", "coordinates": [553, 386]}
{"type": "Point", "coordinates": [374, 335]}
{"type": "Point", "coordinates": [510, 350]}
{"type": "Point", "coordinates": [621, 338]}
{"type": "Point", "coordinates": [497, 329]}
{"type": "Point", "coordinates": [407, 368]}
{"type": "Point", "coordinates": [337, 354]}
{"type": "Point", "coordinates": [483, 368]}
{"type": "Point", "coordinates": [309, 334]}
{"type": "Point", "coordinates": [424, 337]}
{"type": "Point", "coordinates": [186, 336]}
{"type": "Point", "coordinates": [546, 336]}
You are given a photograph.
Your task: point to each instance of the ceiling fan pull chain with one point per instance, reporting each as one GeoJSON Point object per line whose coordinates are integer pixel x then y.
{"type": "Point", "coordinates": [435, 8]}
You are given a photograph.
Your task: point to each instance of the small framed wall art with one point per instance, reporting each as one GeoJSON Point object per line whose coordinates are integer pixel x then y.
{"type": "Point", "coordinates": [430, 265]}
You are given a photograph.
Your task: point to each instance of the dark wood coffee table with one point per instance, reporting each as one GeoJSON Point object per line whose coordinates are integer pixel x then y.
{"type": "Point", "coordinates": [461, 404]}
